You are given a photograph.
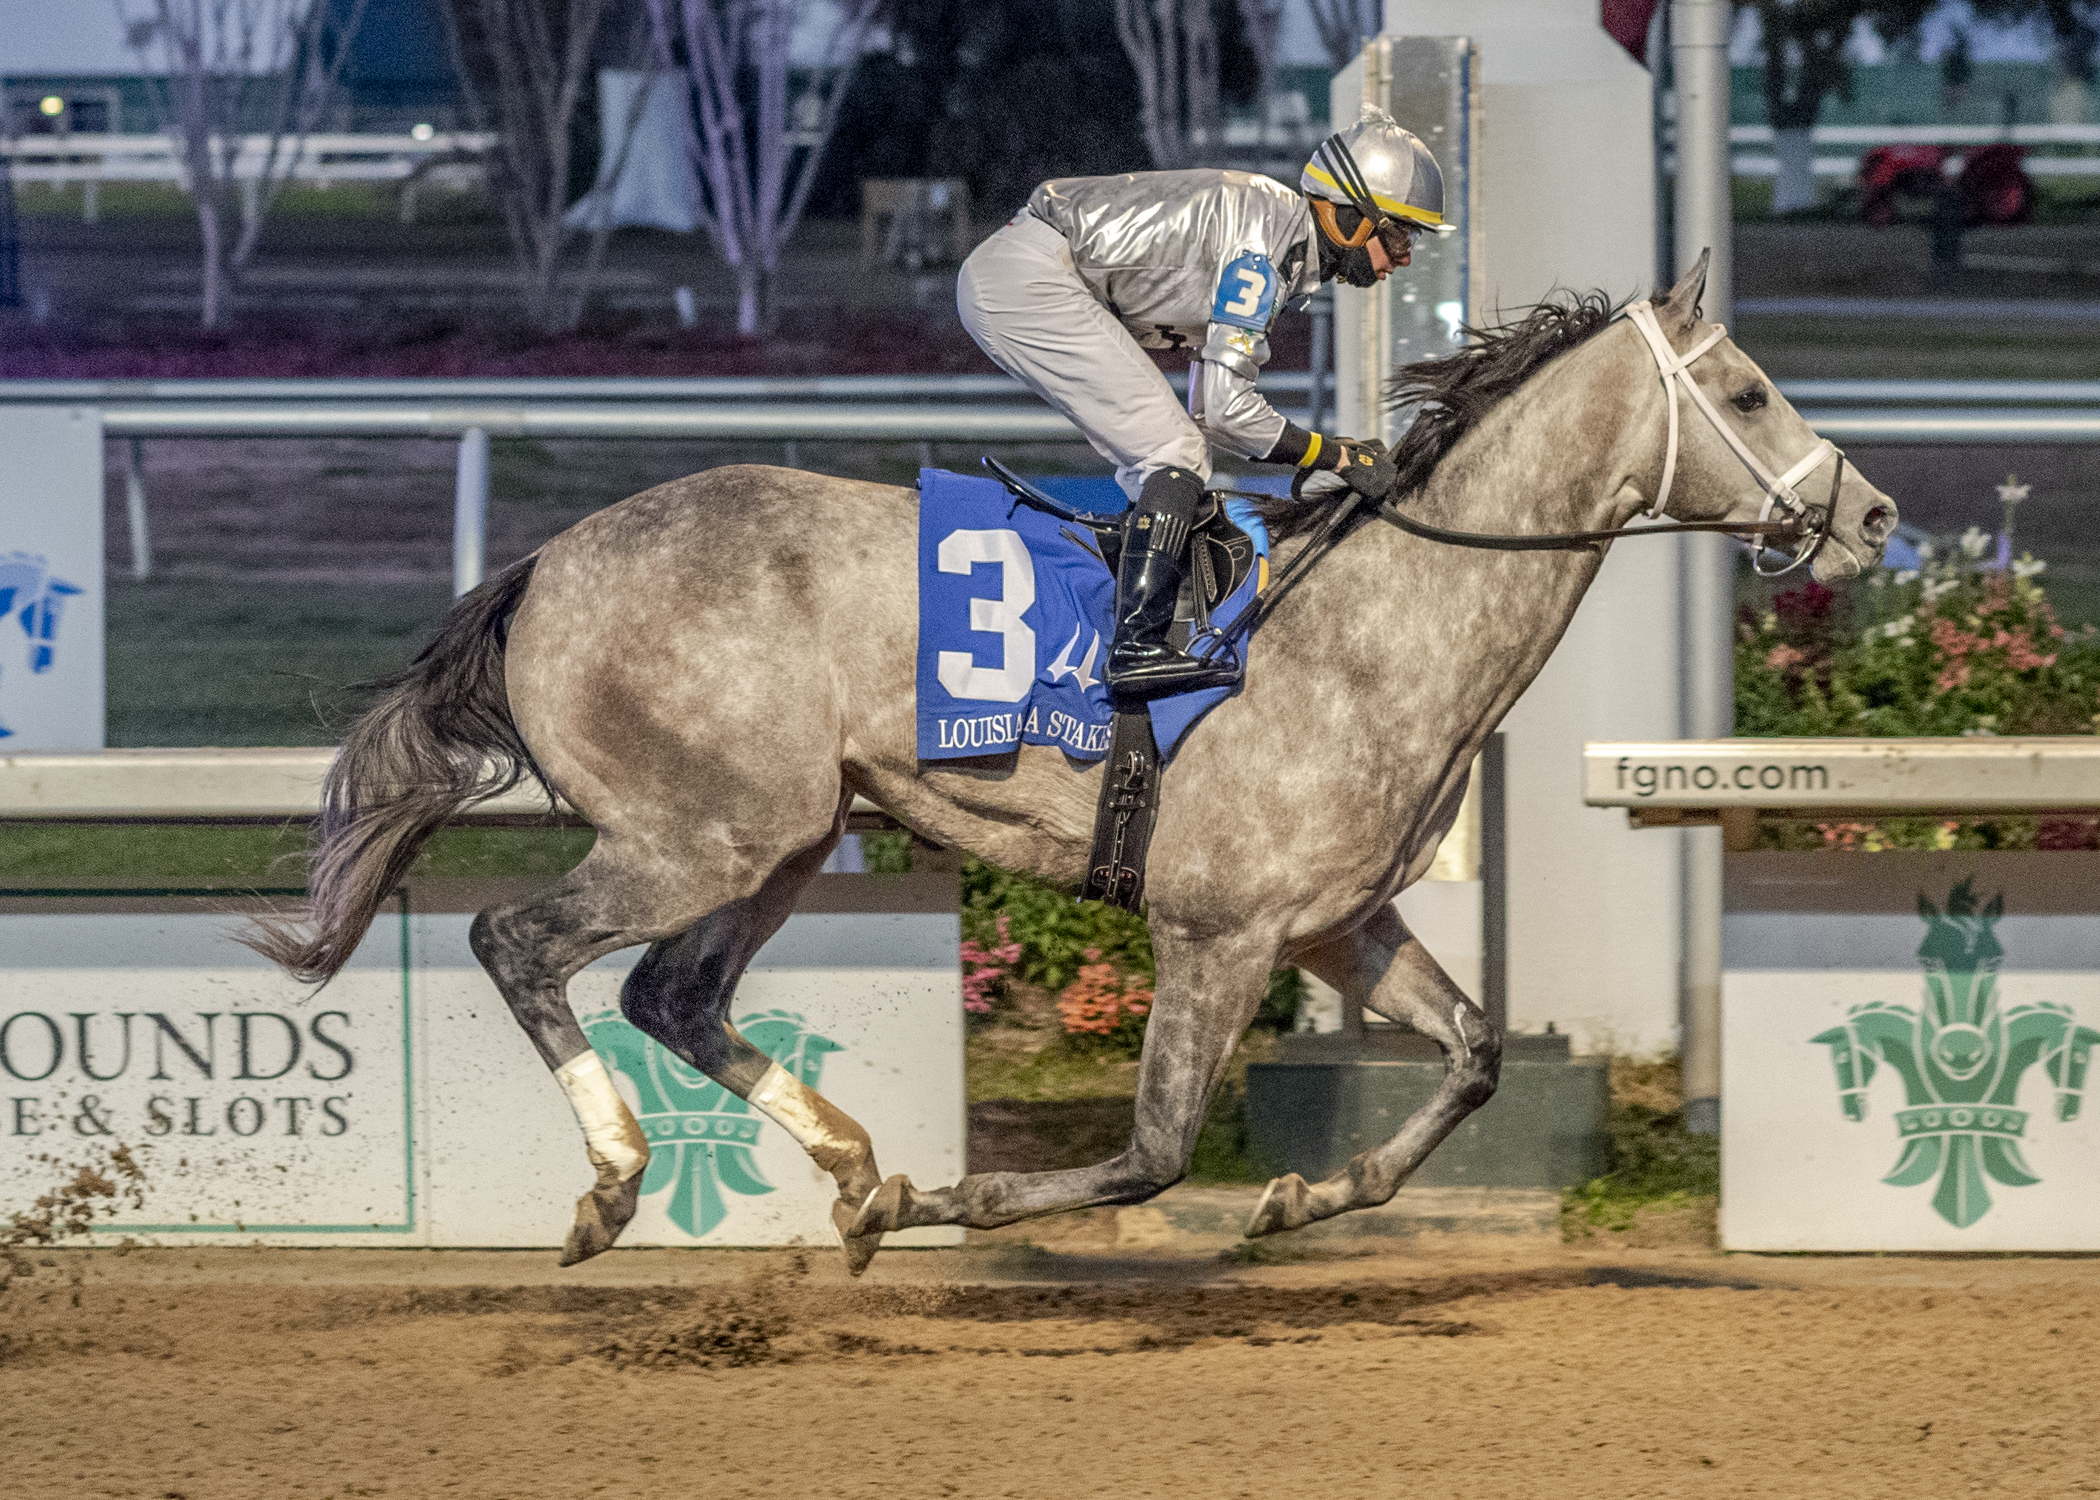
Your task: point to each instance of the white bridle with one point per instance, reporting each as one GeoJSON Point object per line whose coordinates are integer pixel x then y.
{"type": "Point", "coordinates": [1780, 493]}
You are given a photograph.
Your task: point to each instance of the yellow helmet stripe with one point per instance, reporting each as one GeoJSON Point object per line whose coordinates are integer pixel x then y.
{"type": "Point", "coordinates": [1392, 206]}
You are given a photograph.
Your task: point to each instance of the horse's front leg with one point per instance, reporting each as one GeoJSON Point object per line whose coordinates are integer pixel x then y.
{"type": "Point", "coordinates": [1385, 968]}
{"type": "Point", "coordinates": [1206, 996]}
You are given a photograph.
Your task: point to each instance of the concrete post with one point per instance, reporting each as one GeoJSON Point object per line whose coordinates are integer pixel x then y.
{"type": "Point", "coordinates": [1705, 218]}
{"type": "Point", "coordinates": [1591, 937]}
{"type": "Point", "coordinates": [1705, 206]}
{"type": "Point", "coordinates": [470, 511]}
{"type": "Point", "coordinates": [135, 508]}
{"type": "Point", "coordinates": [1707, 591]}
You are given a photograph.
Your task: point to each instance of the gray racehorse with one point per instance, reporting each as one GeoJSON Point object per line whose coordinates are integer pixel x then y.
{"type": "Point", "coordinates": [711, 670]}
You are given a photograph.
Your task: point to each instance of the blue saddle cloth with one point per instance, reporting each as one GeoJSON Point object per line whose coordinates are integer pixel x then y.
{"type": "Point", "coordinates": [1014, 625]}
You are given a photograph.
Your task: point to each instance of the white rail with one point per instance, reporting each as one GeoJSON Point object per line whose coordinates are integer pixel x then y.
{"type": "Point", "coordinates": [2085, 163]}
{"type": "Point", "coordinates": [862, 422]}
{"type": "Point", "coordinates": [242, 786]}
{"type": "Point", "coordinates": [1748, 165]}
{"type": "Point", "coordinates": [473, 411]}
{"type": "Point", "coordinates": [1928, 135]}
{"type": "Point", "coordinates": [320, 159]}
{"type": "Point", "coordinates": [504, 389]}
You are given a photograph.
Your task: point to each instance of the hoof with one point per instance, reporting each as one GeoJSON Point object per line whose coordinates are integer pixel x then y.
{"type": "Point", "coordinates": [861, 1233]}
{"type": "Point", "coordinates": [1285, 1204]}
{"type": "Point", "coordinates": [600, 1216]}
{"type": "Point", "coordinates": [859, 1249]}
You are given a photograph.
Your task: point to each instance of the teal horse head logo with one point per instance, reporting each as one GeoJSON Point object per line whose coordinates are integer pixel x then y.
{"type": "Point", "coordinates": [700, 1134]}
{"type": "Point", "coordinates": [1961, 1056]}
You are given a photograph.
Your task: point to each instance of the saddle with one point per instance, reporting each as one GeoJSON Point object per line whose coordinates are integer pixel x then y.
{"type": "Point", "coordinates": [1221, 558]}
{"type": "Point", "coordinates": [1221, 555]}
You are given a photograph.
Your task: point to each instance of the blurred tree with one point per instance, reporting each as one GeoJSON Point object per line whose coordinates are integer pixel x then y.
{"type": "Point", "coordinates": [215, 70]}
{"type": "Point", "coordinates": [524, 71]}
{"type": "Point", "coordinates": [1261, 30]}
{"type": "Point", "coordinates": [1001, 93]}
{"type": "Point", "coordinates": [757, 151]}
{"type": "Point", "coordinates": [1805, 62]}
{"type": "Point", "coordinates": [2075, 24]}
{"type": "Point", "coordinates": [1173, 49]}
{"type": "Point", "coordinates": [1343, 25]}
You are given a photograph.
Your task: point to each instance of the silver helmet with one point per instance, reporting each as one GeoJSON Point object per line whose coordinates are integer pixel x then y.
{"type": "Point", "coordinates": [1381, 170]}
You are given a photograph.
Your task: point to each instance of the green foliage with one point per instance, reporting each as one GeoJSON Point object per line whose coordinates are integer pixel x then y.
{"type": "Point", "coordinates": [886, 853]}
{"type": "Point", "coordinates": [1054, 930]}
{"type": "Point", "coordinates": [1279, 1007]}
{"type": "Point", "coordinates": [1655, 1162]}
{"type": "Point", "coordinates": [1221, 1146]}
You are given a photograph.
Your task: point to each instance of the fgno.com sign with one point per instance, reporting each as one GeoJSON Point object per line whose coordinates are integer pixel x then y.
{"type": "Point", "coordinates": [401, 1105]}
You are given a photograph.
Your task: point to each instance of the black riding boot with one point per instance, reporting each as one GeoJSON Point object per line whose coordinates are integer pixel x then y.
{"type": "Point", "coordinates": [1141, 665]}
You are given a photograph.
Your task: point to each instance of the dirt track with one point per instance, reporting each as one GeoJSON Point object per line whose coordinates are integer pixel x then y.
{"type": "Point", "coordinates": [1004, 1371]}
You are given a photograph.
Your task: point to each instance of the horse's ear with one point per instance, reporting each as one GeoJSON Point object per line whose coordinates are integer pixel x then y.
{"type": "Point", "coordinates": [1681, 308]}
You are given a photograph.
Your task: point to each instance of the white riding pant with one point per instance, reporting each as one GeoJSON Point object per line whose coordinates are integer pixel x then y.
{"type": "Point", "coordinates": [1026, 306]}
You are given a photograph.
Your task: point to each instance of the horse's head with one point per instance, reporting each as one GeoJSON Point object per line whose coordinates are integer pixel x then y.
{"type": "Point", "coordinates": [1854, 1067]}
{"type": "Point", "coordinates": [1742, 452]}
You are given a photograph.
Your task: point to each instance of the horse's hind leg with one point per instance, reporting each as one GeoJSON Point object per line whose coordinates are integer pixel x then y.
{"type": "Point", "coordinates": [1207, 994]}
{"type": "Point", "coordinates": [1383, 966]}
{"type": "Point", "coordinates": [680, 994]}
{"type": "Point", "coordinates": [531, 949]}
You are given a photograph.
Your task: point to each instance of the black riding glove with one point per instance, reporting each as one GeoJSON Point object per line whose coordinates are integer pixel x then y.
{"type": "Point", "coordinates": [1366, 467]}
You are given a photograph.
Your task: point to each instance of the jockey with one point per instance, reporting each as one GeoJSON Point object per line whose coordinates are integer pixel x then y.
{"type": "Point", "coordinates": [1064, 296]}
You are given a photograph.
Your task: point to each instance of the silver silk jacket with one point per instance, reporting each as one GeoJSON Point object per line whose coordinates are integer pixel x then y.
{"type": "Point", "coordinates": [1202, 260]}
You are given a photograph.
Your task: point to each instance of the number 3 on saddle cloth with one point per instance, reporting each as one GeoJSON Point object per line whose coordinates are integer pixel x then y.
{"type": "Point", "coordinates": [1015, 622]}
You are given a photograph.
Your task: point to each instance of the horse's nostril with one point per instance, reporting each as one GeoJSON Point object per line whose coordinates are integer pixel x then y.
{"type": "Point", "coordinates": [1875, 521]}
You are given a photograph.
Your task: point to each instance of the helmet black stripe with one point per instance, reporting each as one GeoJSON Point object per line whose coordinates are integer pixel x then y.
{"type": "Point", "coordinates": [1341, 162]}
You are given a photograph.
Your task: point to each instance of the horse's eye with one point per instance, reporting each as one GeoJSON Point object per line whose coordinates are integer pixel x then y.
{"type": "Point", "coordinates": [1753, 399]}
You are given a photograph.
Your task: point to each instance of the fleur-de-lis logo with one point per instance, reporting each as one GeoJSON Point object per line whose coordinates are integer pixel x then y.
{"type": "Point", "coordinates": [1961, 1058]}
{"type": "Point", "coordinates": [700, 1134]}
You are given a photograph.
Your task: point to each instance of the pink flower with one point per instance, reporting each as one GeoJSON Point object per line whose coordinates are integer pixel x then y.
{"type": "Point", "coordinates": [1784, 658]}
{"type": "Point", "coordinates": [983, 968]}
{"type": "Point", "coordinates": [2019, 651]}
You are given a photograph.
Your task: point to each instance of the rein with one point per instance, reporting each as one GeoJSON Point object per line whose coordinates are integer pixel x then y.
{"type": "Point", "coordinates": [1811, 523]}
{"type": "Point", "coordinates": [1556, 541]}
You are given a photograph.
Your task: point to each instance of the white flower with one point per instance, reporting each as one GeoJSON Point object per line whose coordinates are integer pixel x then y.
{"type": "Point", "coordinates": [2027, 567]}
{"type": "Point", "coordinates": [1900, 628]}
{"type": "Point", "coordinates": [1935, 589]}
{"type": "Point", "coordinates": [1925, 552]}
{"type": "Point", "coordinates": [1975, 541]}
{"type": "Point", "coordinates": [1906, 575]}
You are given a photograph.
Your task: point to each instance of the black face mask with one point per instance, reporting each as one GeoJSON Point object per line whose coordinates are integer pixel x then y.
{"type": "Point", "coordinates": [1352, 266]}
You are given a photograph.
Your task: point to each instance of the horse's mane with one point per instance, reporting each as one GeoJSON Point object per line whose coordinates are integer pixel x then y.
{"type": "Point", "coordinates": [1454, 392]}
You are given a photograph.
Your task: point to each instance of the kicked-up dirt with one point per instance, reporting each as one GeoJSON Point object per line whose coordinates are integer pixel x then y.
{"type": "Point", "coordinates": [1003, 1370]}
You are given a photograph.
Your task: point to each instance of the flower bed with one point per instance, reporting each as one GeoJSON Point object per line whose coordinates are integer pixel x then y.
{"type": "Point", "coordinates": [1966, 644]}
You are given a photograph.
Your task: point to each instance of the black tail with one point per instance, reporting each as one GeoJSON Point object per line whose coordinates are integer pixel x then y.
{"type": "Point", "coordinates": [440, 737]}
